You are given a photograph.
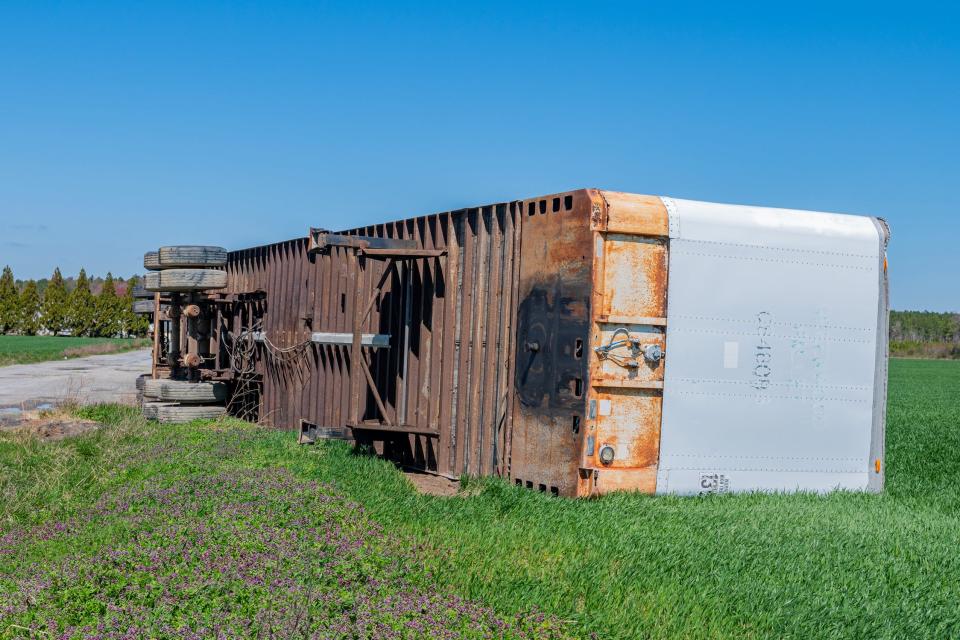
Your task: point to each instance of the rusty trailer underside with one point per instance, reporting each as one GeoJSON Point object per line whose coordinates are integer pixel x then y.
{"type": "Point", "coordinates": [461, 342]}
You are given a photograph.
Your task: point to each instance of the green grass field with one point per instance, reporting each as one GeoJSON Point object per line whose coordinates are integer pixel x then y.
{"type": "Point", "coordinates": [176, 528]}
{"type": "Point", "coordinates": [27, 349]}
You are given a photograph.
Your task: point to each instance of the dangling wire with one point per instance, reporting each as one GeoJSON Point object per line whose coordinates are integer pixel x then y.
{"type": "Point", "coordinates": [651, 352]}
{"type": "Point", "coordinates": [245, 400]}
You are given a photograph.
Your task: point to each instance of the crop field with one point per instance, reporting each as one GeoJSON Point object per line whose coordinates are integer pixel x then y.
{"type": "Point", "coordinates": [229, 530]}
{"type": "Point", "coordinates": [28, 349]}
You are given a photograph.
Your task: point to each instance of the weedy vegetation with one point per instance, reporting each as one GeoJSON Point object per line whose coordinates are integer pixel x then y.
{"type": "Point", "coordinates": [225, 529]}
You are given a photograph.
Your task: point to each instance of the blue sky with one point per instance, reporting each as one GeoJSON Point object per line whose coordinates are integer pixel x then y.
{"type": "Point", "coordinates": [124, 126]}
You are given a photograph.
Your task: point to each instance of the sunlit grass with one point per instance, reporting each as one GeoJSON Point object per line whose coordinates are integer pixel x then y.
{"type": "Point", "coordinates": [785, 566]}
{"type": "Point", "coordinates": [29, 349]}
{"type": "Point", "coordinates": [206, 531]}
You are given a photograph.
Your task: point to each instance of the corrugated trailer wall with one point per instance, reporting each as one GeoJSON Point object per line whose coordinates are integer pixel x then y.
{"type": "Point", "coordinates": [446, 376]}
{"type": "Point", "coordinates": [490, 343]}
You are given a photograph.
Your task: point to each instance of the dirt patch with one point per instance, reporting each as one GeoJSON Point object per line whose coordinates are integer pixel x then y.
{"type": "Point", "coordinates": [46, 425]}
{"type": "Point", "coordinates": [59, 429]}
{"type": "Point", "coordinates": [433, 485]}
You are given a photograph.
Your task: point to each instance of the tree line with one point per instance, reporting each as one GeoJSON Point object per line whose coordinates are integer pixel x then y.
{"type": "Point", "coordinates": [925, 334]}
{"type": "Point", "coordinates": [924, 326]}
{"type": "Point", "coordinates": [27, 310]}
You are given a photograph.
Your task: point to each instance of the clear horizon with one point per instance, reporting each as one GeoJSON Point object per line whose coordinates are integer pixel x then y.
{"type": "Point", "coordinates": [125, 128]}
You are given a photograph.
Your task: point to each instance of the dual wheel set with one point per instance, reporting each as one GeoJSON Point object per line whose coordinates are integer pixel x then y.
{"type": "Point", "coordinates": [168, 400]}
{"type": "Point", "coordinates": [180, 279]}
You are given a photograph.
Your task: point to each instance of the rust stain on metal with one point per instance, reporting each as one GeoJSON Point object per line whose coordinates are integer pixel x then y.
{"type": "Point", "coordinates": [610, 480]}
{"type": "Point", "coordinates": [553, 329]}
{"type": "Point", "coordinates": [635, 214]}
{"type": "Point", "coordinates": [635, 276]}
{"type": "Point", "coordinates": [629, 421]}
{"type": "Point", "coordinates": [629, 300]}
{"type": "Point", "coordinates": [493, 314]}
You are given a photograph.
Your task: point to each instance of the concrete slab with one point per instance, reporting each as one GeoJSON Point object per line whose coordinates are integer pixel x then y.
{"type": "Point", "coordinates": [90, 380]}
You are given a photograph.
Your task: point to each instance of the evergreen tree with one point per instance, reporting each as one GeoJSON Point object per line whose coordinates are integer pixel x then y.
{"type": "Point", "coordinates": [82, 312]}
{"type": "Point", "coordinates": [55, 304]}
{"type": "Point", "coordinates": [108, 320]}
{"type": "Point", "coordinates": [29, 309]}
{"type": "Point", "coordinates": [9, 298]}
{"type": "Point", "coordinates": [134, 324]}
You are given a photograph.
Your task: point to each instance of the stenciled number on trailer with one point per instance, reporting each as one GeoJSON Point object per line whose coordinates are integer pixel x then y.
{"type": "Point", "coordinates": [763, 354]}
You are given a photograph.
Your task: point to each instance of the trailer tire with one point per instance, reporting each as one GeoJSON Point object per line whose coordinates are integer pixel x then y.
{"type": "Point", "coordinates": [173, 413]}
{"type": "Point", "coordinates": [151, 260]}
{"type": "Point", "coordinates": [150, 409]}
{"type": "Point", "coordinates": [183, 280]}
{"type": "Point", "coordinates": [151, 388]}
{"type": "Point", "coordinates": [143, 306]}
{"type": "Point", "coordinates": [142, 381]}
{"type": "Point", "coordinates": [193, 392]}
{"type": "Point", "coordinates": [139, 292]}
{"type": "Point", "coordinates": [182, 256]}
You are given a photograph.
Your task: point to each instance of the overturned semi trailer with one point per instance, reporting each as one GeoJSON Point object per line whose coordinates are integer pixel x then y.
{"type": "Point", "coordinates": [578, 343]}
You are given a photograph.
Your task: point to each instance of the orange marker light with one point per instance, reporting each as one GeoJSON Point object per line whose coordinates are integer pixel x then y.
{"type": "Point", "coordinates": [876, 465]}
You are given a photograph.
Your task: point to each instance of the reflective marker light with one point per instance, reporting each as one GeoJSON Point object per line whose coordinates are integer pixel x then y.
{"type": "Point", "coordinates": [606, 454]}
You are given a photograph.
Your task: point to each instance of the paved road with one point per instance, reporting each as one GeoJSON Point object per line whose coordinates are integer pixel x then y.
{"type": "Point", "coordinates": [107, 378]}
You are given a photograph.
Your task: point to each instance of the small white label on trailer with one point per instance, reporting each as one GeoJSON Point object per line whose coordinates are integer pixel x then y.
{"type": "Point", "coordinates": [731, 355]}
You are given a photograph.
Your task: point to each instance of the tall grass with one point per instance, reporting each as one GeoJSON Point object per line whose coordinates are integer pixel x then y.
{"type": "Point", "coordinates": [40, 480]}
